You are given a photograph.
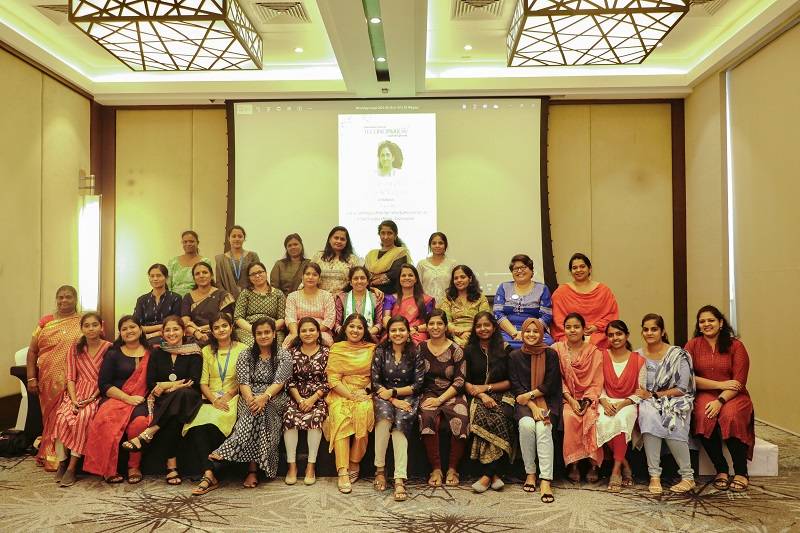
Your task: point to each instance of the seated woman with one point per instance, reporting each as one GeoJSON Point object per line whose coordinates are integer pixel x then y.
{"type": "Point", "coordinates": [287, 273]}
{"type": "Point", "coordinates": [463, 300]}
{"type": "Point", "coordinates": [336, 260]}
{"type": "Point", "coordinates": [181, 279]}
{"type": "Point", "coordinates": [259, 300]}
{"type": "Point", "coordinates": [307, 388]}
{"type": "Point", "coordinates": [203, 303]}
{"type": "Point", "coordinates": [621, 371]}
{"type": "Point", "coordinates": [409, 301]}
{"type": "Point", "coordinates": [52, 340]}
{"type": "Point", "coordinates": [232, 266]}
{"type": "Point", "coordinates": [153, 307]}
{"type": "Point", "coordinates": [535, 375]}
{"type": "Point", "coordinates": [123, 383]}
{"type": "Point", "coordinates": [520, 299]}
{"type": "Point", "coordinates": [173, 378]}
{"type": "Point", "coordinates": [491, 405]}
{"type": "Point", "coordinates": [81, 399]}
{"type": "Point", "coordinates": [384, 263]}
{"type": "Point", "coordinates": [219, 385]}
{"type": "Point", "coordinates": [667, 390]}
{"type": "Point", "coordinates": [723, 410]}
{"type": "Point", "coordinates": [359, 297]}
{"type": "Point", "coordinates": [310, 301]}
{"type": "Point", "coordinates": [262, 372]}
{"type": "Point", "coordinates": [443, 396]}
{"type": "Point", "coordinates": [582, 375]}
{"type": "Point", "coordinates": [435, 270]}
{"type": "Point", "coordinates": [349, 402]}
{"type": "Point", "coordinates": [398, 372]}
{"type": "Point", "coordinates": [592, 300]}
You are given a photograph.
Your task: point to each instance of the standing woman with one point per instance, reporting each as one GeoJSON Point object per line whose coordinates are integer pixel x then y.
{"type": "Point", "coordinates": [667, 390]}
{"type": "Point", "coordinates": [435, 270]}
{"type": "Point", "coordinates": [262, 372]}
{"type": "Point", "coordinates": [123, 383]}
{"type": "Point", "coordinates": [232, 266]}
{"type": "Point", "coordinates": [349, 402]}
{"type": "Point", "coordinates": [307, 389]}
{"type": "Point", "coordinates": [591, 299]}
{"type": "Point", "coordinates": [287, 273]}
{"type": "Point", "coordinates": [310, 301]}
{"type": "Point", "coordinates": [180, 267]}
{"type": "Point", "coordinates": [582, 375]}
{"type": "Point", "coordinates": [491, 409]}
{"type": "Point", "coordinates": [463, 300]}
{"type": "Point", "coordinates": [153, 307]}
{"type": "Point", "coordinates": [621, 371]}
{"type": "Point", "coordinates": [536, 383]}
{"type": "Point", "coordinates": [384, 263]}
{"type": "Point", "coordinates": [52, 340]}
{"type": "Point", "coordinates": [259, 300]}
{"type": "Point", "coordinates": [723, 410]}
{"type": "Point", "coordinates": [203, 303]}
{"type": "Point", "coordinates": [398, 372]}
{"type": "Point", "coordinates": [173, 379]}
{"type": "Point", "coordinates": [219, 385]}
{"type": "Point", "coordinates": [80, 401]}
{"type": "Point", "coordinates": [336, 260]}
{"type": "Point", "coordinates": [443, 396]}
{"type": "Point", "coordinates": [359, 297]}
{"type": "Point", "coordinates": [411, 302]}
{"type": "Point", "coordinates": [520, 299]}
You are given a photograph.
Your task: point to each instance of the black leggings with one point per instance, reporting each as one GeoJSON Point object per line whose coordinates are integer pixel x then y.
{"type": "Point", "coordinates": [737, 449]}
{"type": "Point", "coordinates": [206, 439]}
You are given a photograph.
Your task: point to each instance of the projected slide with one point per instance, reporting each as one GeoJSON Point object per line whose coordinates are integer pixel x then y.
{"type": "Point", "coordinates": [387, 170]}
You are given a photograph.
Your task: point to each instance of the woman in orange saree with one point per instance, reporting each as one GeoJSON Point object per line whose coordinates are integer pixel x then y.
{"type": "Point", "coordinates": [47, 366]}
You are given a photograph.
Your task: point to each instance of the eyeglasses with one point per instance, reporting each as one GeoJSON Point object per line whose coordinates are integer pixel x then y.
{"type": "Point", "coordinates": [258, 273]}
{"type": "Point", "coordinates": [522, 268]}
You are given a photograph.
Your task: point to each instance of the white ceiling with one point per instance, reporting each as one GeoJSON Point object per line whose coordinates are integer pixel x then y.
{"type": "Point", "coordinates": [425, 50]}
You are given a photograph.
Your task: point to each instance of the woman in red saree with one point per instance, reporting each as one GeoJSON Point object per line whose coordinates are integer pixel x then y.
{"type": "Point", "coordinates": [52, 340]}
{"type": "Point", "coordinates": [123, 382]}
{"type": "Point", "coordinates": [592, 300]}
{"type": "Point", "coordinates": [409, 301]}
{"type": "Point", "coordinates": [582, 375]}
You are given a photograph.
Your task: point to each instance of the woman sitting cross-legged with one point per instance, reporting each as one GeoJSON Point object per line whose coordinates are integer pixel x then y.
{"type": "Point", "coordinates": [535, 375]}
{"type": "Point", "coordinates": [398, 372]}
{"type": "Point", "coordinates": [262, 372]}
{"type": "Point", "coordinates": [173, 378]}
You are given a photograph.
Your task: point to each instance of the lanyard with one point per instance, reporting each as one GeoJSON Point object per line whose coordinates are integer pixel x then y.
{"type": "Point", "coordinates": [237, 268]}
{"type": "Point", "coordinates": [223, 373]}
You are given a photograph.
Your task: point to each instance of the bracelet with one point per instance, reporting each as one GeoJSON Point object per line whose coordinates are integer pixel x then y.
{"type": "Point", "coordinates": [32, 379]}
{"type": "Point", "coordinates": [268, 395]}
{"type": "Point", "coordinates": [489, 388]}
{"type": "Point", "coordinates": [721, 400]}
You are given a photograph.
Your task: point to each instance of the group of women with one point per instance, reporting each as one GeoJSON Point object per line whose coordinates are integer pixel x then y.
{"type": "Point", "coordinates": [339, 349]}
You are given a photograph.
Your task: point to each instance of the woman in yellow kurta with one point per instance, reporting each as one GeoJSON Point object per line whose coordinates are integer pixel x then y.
{"type": "Point", "coordinates": [349, 405]}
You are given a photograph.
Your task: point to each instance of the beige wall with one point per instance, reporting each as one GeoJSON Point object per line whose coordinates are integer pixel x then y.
{"type": "Point", "coordinates": [44, 148]}
{"type": "Point", "coordinates": [610, 183]}
{"type": "Point", "coordinates": [171, 176]}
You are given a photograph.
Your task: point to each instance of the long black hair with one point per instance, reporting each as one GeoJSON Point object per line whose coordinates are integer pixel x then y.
{"type": "Point", "coordinates": [623, 327]}
{"type": "Point", "coordinates": [297, 342]}
{"type": "Point", "coordinates": [212, 339]}
{"type": "Point", "coordinates": [473, 289]}
{"type": "Point", "coordinates": [118, 342]}
{"type": "Point", "coordinates": [496, 342]}
{"type": "Point", "coordinates": [328, 253]}
{"type": "Point", "coordinates": [80, 346]}
{"type": "Point", "coordinates": [419, 294]}
{"type": "Point", "coordinates": [255, 351]}
{"type": "Point", "coordinates": [441, 314]}
{"type": "Point", "coordinates": [392, 226]}
{"type": "Point", "coordinates": [352, 318]}
{"type": "Point", "coordinates": [726, 333]}
{"type": "Point", "coordinates": [659, 320]}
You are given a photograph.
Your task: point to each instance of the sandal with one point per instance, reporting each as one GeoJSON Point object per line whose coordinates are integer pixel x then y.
{"type": "Point", "coordinates": [134, 478]}
{"type": "Point", "coordinates": [116, 478]}
{"type": "Point", "coordinates": [452, 479]}
{"type": "Point", "coordinates": [353, 474]}
{"type": "Point", "coordinates": [69, 479]}
{"type": "Point", "coordinates": [573, 474]}
{"type": "Point", "coordinates": [343, 483]}
{"type": "Point", "coordinates": [627, 476]}
{"type": "Point", "coordinates": [684, 485]}
{"type": "Point", "coordinates": [137, 444]}
{"type": "Point", "coordinates": [548, 497]}
{"type": "Point", "coordinates": [173, 478]}
{"type": "Point", "coordinates": [62, 469]}
{"type": "Point", "coordinates": [528, 486]}
{"type": "Point", "coordinates": [380, 481]}
{"type": "Point", "coordinates": [615, 484]}
{"type": "Point", "coordinates": [205, 486]}
{"type": "Point", "coordinates": [736, 485]}
{"type": "Point", "coordinates": [721, 483]}
{"type": "Point", "coordinates": [400, 494]}
{"type": "Point", "coordinates": [655, 486]}
{"type": "Point", "coordinates": [435, 480]}
{"type": "Point", "coordinates": [252, 476]}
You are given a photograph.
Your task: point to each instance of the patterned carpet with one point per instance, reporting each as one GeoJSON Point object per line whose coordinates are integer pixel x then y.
{"type": "Point", "coordinates": [31, 501]}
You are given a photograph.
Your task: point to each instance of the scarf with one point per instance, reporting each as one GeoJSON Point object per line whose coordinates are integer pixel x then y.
{"type": "Point", "coordinates": [677, 408]}
{"type": "Point", "coordinates": [537, 360]}
{"type": "Point", "coordinates": [381, 265]}
{"type": "Point", "coordinates": [627, 382]}
{"type": "Point", "coordinates": [368, 312]}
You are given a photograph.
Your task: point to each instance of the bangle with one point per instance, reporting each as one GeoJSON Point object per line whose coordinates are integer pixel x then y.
{"type": "Point", "coordinates": [721, 400]}
{"type": "Point", "coordinates": [32, 379]}
{"type": "Point", "coordinates": [489, 388]}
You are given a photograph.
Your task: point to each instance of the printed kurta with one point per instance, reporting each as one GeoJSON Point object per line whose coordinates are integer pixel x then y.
{"type": "Point", "coordinates": [319, 306]}
{"type": "Point", "coordinates": [349, 365]}
{"type": "Point", "coordinates": [517, 308]}
{"type": "Point", "coordinates": [443, 371]}
{"type": "Point", "coordinates": [180, 278]}
{"type": "Point", "coordinates": [390, 374]}
{"type": "Point", "coordinates": [334, 273]}
{"type": "Point", "coordinates": [345, 306]}
{"type": "Point", "coordinates": [308, 377]}
{"type": "Point", "coordinates": [252, 305]}
{"type": "Point", "coordinates": [460, 314]}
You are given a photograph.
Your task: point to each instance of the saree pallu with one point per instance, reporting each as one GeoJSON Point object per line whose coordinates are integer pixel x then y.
{"type": "Point", "coordinates": [205, 310]}
{"type": "Point", "coordinates": [109, 424]}
{"type": "Point", "coordinates": [54, 337]}
{"type": "Point", "coordinates": [407, 307]}
{"type": "Point", "coordinates": [493, 430]}
{"type": "Point", "coordinates": [350, 365]}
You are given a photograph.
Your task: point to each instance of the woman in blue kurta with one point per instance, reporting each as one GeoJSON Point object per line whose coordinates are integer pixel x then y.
{"type": "Point", "coordinates": [521, 299]}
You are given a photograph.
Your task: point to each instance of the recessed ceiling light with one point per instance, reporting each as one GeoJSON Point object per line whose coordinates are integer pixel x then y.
{"type": "Point", "coordinates": [467, 47]}
{"type": "Point", "coordinates": [375, 20]}
{"type": "Point", "coordinates": [298, 50]}
{"type": "Point", "coordinates": [380, 59]}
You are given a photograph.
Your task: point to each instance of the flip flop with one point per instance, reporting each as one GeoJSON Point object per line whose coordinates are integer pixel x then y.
{"type": "Point", "coordinates": [452, 479]}
{"type": "Point", "coordinates": [435, 479]}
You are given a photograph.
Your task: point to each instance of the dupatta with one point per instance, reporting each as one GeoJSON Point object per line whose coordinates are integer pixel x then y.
{"type": "Point", "coordinates": [626, 383]}
{"type": "Point", "coordinates": [381, 265]}
{"type": "Point", "coordinates": [674, 408]}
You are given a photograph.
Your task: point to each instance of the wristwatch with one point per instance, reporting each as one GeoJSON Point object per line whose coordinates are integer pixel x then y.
{"type": "Point", "coordinates": [394, 392]}
{"type": "Point", "coordinates": [721, 399]}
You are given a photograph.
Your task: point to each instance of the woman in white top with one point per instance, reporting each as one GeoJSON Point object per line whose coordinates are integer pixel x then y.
{"type": "Point", "coordinates": [434, 271]}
